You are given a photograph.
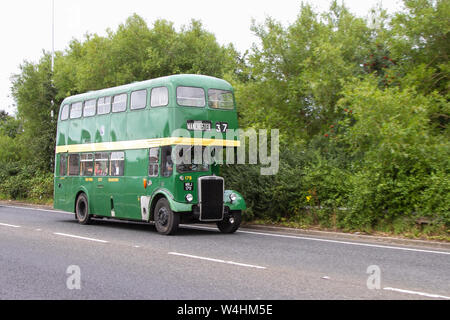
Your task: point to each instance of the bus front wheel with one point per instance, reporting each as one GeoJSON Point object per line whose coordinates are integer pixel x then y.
{"type": "Point", "coordinates": [230, 223]}
{"type": "Point", "coordinates": [166, 221]}
{"type": "Point", "coordinates": [82, 209]}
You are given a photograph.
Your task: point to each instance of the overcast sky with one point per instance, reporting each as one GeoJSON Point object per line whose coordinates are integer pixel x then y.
{"type": "Point", "coordinates": [26, 25]}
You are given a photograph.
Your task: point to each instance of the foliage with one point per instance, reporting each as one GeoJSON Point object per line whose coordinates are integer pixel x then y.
{"type": "Point", "coordinates": [369, 101]}
{"type": "Point", "coordinates": [361, 105]}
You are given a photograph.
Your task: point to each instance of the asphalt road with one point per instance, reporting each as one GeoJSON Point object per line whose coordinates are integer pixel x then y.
{"type": "Point", "coordinates": [44, 253]}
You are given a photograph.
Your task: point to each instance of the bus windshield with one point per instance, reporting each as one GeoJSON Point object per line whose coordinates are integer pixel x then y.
{"type": "Point", "coordinates": [187, 160]}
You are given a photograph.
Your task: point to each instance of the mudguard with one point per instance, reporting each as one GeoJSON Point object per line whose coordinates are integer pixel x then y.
{"type": "Point", "coordinates": [174, 205]}
{"type": "Point", "coordinates": [238, 204]}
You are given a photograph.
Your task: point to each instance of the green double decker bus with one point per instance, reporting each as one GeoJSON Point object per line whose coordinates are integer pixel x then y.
{"type": "Point", "coordinates": [115, 151]}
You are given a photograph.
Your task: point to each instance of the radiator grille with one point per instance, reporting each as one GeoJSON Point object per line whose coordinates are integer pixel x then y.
{"type": "Point", "coordinates": [211, 198]}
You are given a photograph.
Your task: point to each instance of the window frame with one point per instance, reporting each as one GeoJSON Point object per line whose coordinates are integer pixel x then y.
{"type": "Point", "coordinates": [67, 107]}
{"type": "Point", "coordinates": [192, 150]}
{"type": "Point", "coordinates": [126, 102]}
{"type": "Point", "coordinates": [166, 157]}
{"type": "Point", "coordinates": [151, 97]}
{"type": "Point", "coordinates": [110, 105]}
{"type": "Point", "coordinates": [95, 108]}
{"type": "Point", "coordinates": [100, 160]}
{"type": "Point", "coordinates": [190, 106]}
{"type": "Point", "coordinates": [82, 164]}
{"type": "Point", "coordinates": [111, 173]}
{"type": "Point", "coordinates": [61, 166]}
{"type": "Point", "coordinates": [224, 91]}
{"type": "Point", "coordinates": [153, 163]}
{"type": "Point", "coordinates": [146, 99]}
{"type": "Point", "coordinates": [69, 165]}
{"type": "Point", "coordinates": [81, 110]}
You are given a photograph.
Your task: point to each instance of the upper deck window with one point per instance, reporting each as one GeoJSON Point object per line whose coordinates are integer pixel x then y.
{"type": "Point", "coordinates": [119, 103]}
{"type": "Point", "coordinates": [104, 105]}
{"type": "Point", "coordinates": [76, 110]}
{"type": "Point", "coordinates": [89, 108]}
{"type": "Point", "coordinates": [220, 99]}
{"type": "Point", "coordinates": [191, 97]}
{"type": "Point", "coordinates": [65, 112]}
{"type": "Point", "coordinates": [160, 97]}
{"type": "Point", "coordinates": [138, 100]}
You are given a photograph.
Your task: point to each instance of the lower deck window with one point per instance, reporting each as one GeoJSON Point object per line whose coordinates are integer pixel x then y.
{"type": "Point", "coordinates": [63, 165]}
{"type": "Point", "coordinates": [117, 164]}
{"type": "Point", "coordinates": [166, 162]}
{"type": "Point", "coordinates": [74, 165]}
{"type": "Point", "coordinates": [101, 164]}
{"type": "Point", "coordinates": [87, 164]}
{"type": "Point", "coordinates": [153, 161]}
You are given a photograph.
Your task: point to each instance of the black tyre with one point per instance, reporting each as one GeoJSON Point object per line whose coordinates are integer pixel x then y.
{"type": "Point", "coordinates": [231, 222]}
{"type": "Point", "coordinates": [166, 221]}
{"type": "Point", "coordinates": [82, 209]}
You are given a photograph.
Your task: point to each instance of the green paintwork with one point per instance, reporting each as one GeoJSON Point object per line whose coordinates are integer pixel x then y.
{"type": "Point", "coordinates": [238, 204]}
{"type": "Point", "coordinates": [124, 193]}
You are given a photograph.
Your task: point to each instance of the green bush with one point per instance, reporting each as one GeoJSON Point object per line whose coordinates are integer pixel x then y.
{"type": "Point", "coordinates": [25, 182]}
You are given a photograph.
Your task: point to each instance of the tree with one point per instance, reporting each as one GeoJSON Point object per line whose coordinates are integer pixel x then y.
{"type": "Point", "coordinates": [9, 126]}
{"type": "Point", "coordinates": [299, 70]}
{"type": "Point", "coordinates": [34, 92]}
{"type": "Point", "coordinates": [135, 52]}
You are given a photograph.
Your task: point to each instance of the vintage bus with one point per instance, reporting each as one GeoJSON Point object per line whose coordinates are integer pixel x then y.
{"type": "Point", "coordinates": [114, 154]}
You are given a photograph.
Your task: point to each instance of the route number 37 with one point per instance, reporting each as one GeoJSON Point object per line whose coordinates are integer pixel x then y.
{"type": "Point", "coordinates": [221, 126]}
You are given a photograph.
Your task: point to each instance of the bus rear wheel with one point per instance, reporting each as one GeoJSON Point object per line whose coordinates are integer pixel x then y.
{"type": "Point", "coordinates": [82, 210]}
{"type": "Point", "coordinates": [166, 221]}
{"type": "Point", "coordinates": [231, 223]}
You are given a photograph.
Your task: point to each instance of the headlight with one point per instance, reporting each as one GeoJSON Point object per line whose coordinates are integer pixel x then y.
{"type": "Point", "coordinates": [233, 197]}
{"type": "Point", "coordinates": [189, 197]}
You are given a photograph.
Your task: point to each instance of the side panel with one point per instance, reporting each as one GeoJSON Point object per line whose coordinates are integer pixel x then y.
{"type": "Point", "coordinates": [101, 200]}
{"type": "Point", "coordinates": [102, 128]}
{"type": "Point", "coordinates": [118, 125]}
{"type": "Point", "coordinates": [59, 187]}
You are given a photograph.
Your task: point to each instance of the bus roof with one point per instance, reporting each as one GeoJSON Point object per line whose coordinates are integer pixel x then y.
{"type": "Point", "coordinates": [176, 80]}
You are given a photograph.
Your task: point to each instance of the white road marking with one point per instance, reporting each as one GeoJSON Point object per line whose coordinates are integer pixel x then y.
{"type": "Point", "coordinates": [216, 260]}
{"type": "Point", "coordinates": [329, 241]}
{"type": "Point", "coordinates": [429, 295]}
{"type": "Point", "coordinates": [37, 209]}
{"type": "Point", "coordinates": [276, 235]}
{"type": "Point", "coordinates": [9, 225]}
{"type": "Point", "coordinates": [78, 237]}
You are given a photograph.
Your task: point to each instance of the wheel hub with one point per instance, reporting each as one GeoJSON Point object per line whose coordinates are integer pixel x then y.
{"type": "Point", "coordinates": [163, 216]}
